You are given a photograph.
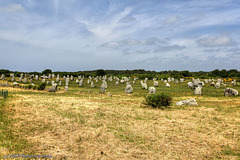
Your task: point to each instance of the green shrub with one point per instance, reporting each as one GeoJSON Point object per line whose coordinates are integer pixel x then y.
{"type": "Point", "coordinates": [161, 100]}
{"type": "Point", "coordinates": [29, 86]}
{"type": "Point", "coordinates": [42, 86]}
{"type": "Point", "coordinates": [34, 87]}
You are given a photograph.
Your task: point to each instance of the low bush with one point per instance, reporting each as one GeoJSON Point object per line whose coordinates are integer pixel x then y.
{"type": "Point", "coordinates": [161, 100]}
{"type": "Point", "coordinates": [42, 86]}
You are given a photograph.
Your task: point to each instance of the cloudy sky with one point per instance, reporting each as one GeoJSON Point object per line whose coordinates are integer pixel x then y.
{"type": "Point", "coordinates": [75, 35]}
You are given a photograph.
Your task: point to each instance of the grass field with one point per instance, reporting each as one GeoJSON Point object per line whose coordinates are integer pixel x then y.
{"type": "Point", "coordinates": [85, 124]}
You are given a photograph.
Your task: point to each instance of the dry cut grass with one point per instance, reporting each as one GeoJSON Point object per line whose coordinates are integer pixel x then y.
{"type": "Point", "coordinates": [96, 126]}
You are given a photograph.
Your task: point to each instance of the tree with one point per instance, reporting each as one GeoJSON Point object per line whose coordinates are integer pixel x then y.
{"type": "Point", "coordinates": [47, 71]}
{"type": "Point", "coordinates": [100, 72]}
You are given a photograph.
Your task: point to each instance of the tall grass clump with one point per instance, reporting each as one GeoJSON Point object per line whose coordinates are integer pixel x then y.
{"type": "Point", "coordinates": [160, 100]}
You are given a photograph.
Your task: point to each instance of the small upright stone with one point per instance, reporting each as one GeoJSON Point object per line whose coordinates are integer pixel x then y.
{"type": "Point", "coordinates": [128, 89]}
{"type": "Point", "coordinates": [230, 91]}
{"type": "Point", "coordinates": [155, 83]}
{"type": "Point", "coordinates": [198, 90]}
{"type": "Point", "coordinates": [167, 85]}
{"type": "Point", "coordinates": [152, 90]}
{"type": "Point", "coordinates": [54, 88]}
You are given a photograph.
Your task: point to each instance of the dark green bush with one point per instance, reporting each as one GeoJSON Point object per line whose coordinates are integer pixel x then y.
{"type": "Point", "coordinates": [161, 100]}
{"type": "Point", "coordinates": [42, 86]}
{"type": "Point", "coordinates": [29, 86]}
{"type": "Point", "coordinates": [34, 87]}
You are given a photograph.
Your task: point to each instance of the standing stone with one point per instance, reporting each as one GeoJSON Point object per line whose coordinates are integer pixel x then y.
{"type": "Point", "coordinates": [71, 78]}
{"type": "Point", "coordinates": [176, 80]}
{"type": "Point", "coordinates": [198, 90]}
{"type": "Point", "coordinates": [49, 76]}
{"type": "Point", "coordinates": [80, 83]}
{"type": "Point", "coordinates": [92, 84]}
{"type": "Point", "coordinates": [57, 79]}
{"type": "Point", "coordinates": [152, 90]}
{"type": "Point", "coordinates": [165, 81]}
{"type": "Point", "coordinates": [217, 85]}
{"type": "Point", "coordinates": [25, 80]}
{"type": "Point", "coordinates": [230, 91]}
{"type": "Point", "coordinates": [155, 83]}
{"type": "Point", "coordinates": [105, 83]}
{"type": "Point", "coordinates": [2, 77]}
{"type": "Point", "coordinates": [67, 82]}
{"type": "Point", "coordinates": [116, 83]}
{"type": "Point", "coordinates": [128, 88]}
{"type": "Point", "coordinates": [167, 85]}
{"type": "Point", "coordinates": [144, 86]}
{"type": "Point", "coordinates": [48, 82]}
{"type": "Point", "coordinates": [36, 77]}
{"type": "Point", "coordinates": [20, 79]}
{"type": "Point", "coordinates": [66, 88]}
{"type": "Point", "coordinates": [212, 84]}
{"type": "Point", "coordinates": [103, 88]}
{"type": "Point", "coordinates": [12, 78]}
{"type": "Point", "coordinates": [43, 80]}
{"type": "Point", "coordinates": [145, 80]}
{"type": "Point", "coordinates": [60, 83]}
{"type": "Point", "coordinates": [53, 75]}
{"type": "Point", "coordinates": [54, 88]}
{"type": "Point", "coordinates": [181, 79]}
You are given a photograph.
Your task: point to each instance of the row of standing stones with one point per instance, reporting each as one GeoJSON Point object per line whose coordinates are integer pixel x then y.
{"type": "Point", "coordinates": [196, 85]}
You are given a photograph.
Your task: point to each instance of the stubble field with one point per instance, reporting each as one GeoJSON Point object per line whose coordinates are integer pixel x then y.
{"type": "Point", "coordinates": [85, 124]}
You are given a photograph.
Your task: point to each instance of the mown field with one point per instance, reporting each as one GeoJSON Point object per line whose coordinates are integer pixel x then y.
{"type": "Point", "coordinates": [82, 123]}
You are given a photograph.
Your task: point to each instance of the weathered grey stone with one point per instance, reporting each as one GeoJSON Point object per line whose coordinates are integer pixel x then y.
{"type": "Point", "coordinates": [60, 83]}
{"type": "Point", "coordinates": [198, 90]}
{"type": "Point", "coordinates": [66, 88]}
{"type": "Point", "coordinates": [167, 85]}
{"type": "Point", "coordinates": [155, 83]}
{"type": "Point", "coordinates": [181, 79]}
{"type": "Point", "coordinates": [92, 84]}
{"type": "Point", "coordinates": [67, 81]}
{"type": "Point", "coordinates": [145, 80]}
{"type": "Point", "coordinates": [212, 84]}
{"type": "Point", "coordinates": [218, 85]}
{"type": "Point", "coordinates": [233, 82]}
{"type": "Point", "coordinates": [54, 88]}
{"type": "Point", "coordinates": [36, 77]}
{"type": "Point", "coordinates": [48, 82]}
{"type": "Point", "coordinates": [190, 85]}
{"type": "Point", "coordinates": [165, 81]}
{"type": "Point", "coordinates": [230, 91]}
{"type": "Point", "coordinates": [25, 80]}
{"type": "Point", "coordinates": [116, 83]}
{"type": "Point", "coordinates": [128, 89]}
{"type": "Point", "coordinates": [152, 90]}
{"type": "Point", "coordinates": [2, 77]}
{"type": "Point", "coordinates": [12, 78]}
{"type": "Point", "coordinates": [43, 80]}
{"type": "Point", "coordinates": [187, 102]}
{"type": "Point", "coordinates": [57, 79]}
{"type": "Point", "coordinates": [103, 88]}
{"type": "Point", "coordinates": [20, 79]}
{"type": "Point", "coordinates": [80, 83]}
{"type": "Point", "coordinates": [15, 83]}
{"type": "Point", "coordinates": [144, 86]}
{"type": "Point", "coordinates": [49, 76]}
{"type": "Point", "coordinates": [104, 83]}
{"type": "Point", "coordinates": [72, 78]}
{"type": "Point", "coordinates": [224, 85]}
{"type": "Point", "coordinates": [176, 80]}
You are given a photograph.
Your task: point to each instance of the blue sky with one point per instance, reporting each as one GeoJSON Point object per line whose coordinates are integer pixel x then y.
{"type": "Point", "coordinates": [74, 35]}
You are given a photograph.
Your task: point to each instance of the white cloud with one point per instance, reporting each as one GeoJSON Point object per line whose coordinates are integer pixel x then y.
{"type": "Point", "coordinates": [171, 20]}
{"type": "Point", "coordinates": [12, 8]}
{"type": "Point", "coordinates": [215, 41]}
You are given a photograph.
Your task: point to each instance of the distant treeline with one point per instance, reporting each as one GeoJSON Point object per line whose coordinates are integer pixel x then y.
{"type": "Point", "coordinates": [140, 73]}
